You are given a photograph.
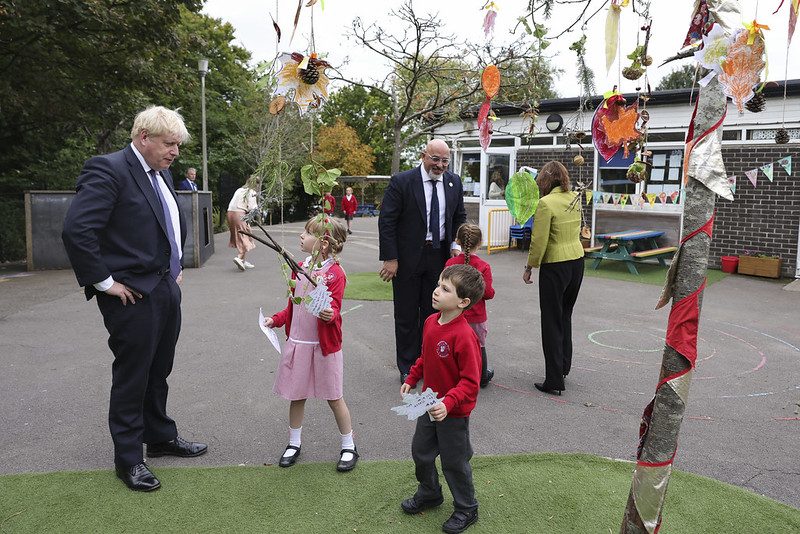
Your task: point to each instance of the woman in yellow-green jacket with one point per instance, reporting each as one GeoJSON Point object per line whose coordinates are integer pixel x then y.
{"type": "Point", "coordinates": [557, 252]}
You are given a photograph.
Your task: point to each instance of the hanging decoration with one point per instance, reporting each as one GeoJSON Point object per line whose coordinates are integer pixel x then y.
{"type": "Point", "coordinates": [574, 126]}
{"type": "Point", "coordinates": [713, 52]}
{"type": "Point", "coordinates": [490, 81]}
{"type": "Point", "coordinates": [522, 194]}
{"type": "Point", "coordinates": [700, 25]}
{"type": "Point", "coordinates": [743, 64]}
{"type": "Point", "coordinates": [305, 75]}
{"type": "Point", "coordinates": [612, 31]}
{"type": "Point", "coordinates": [614, 125]}
{"type": "Point", "coordinates": [488, 20]}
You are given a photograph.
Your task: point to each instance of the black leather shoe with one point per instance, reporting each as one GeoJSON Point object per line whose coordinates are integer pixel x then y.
{"type": "Point", "coordinates": [460, 521]}
{"type": "Point", "coordinates": [540, 387]}
{"type": "Point", "coordinates": [289, 461]}
{"type": "Point", "coordinates": [176, 447]}
{"type": "Point", "coordinates": [138, 477]}
{"type": "Point", "coordinates": [347, 465]}
{"type": "Point", "coordinates": [415, 505]}
{"type": "Point", "coordinates": [489, 375]}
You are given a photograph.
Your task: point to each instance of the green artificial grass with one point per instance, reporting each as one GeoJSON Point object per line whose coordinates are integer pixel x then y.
{"type": "Point", "coordinates": [541, 493]}
{"type": "Point", "coordinates": [649, 273]}
{"type": "Point", "coordinates": [367, 286]}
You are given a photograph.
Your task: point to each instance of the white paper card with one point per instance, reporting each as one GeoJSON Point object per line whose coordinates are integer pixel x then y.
{"type": "Point", "coordinates": [320, 300]}
{"type": "Point", "coordinates": [417, 404]}
{"type": "Point", "coordinates": [269, 332]}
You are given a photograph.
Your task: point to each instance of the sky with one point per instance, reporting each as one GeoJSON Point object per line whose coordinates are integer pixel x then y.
{"type": "Point", "coordinates": [463, 19]}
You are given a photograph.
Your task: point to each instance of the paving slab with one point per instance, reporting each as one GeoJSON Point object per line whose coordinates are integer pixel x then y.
{"type": "Point", "coordinates": [740, 426]}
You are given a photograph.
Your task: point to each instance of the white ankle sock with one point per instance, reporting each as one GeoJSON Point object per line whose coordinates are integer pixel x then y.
{"type": "Point", "coordinates": [294, 440]}
{"type": "Point", "coordinates": [348, 443]}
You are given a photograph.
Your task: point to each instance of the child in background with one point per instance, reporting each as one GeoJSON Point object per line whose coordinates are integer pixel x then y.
{"type": "Point", "coordinates": [450, 366]}
{"type": "Point", "coordinates": [470, 239]}
{"type": "Point", "coordinates": [349, 207]}
{"type": "Point", "coordinates": [311, 363]}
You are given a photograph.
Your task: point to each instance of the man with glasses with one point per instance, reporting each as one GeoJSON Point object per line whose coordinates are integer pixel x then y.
{"type": "Point", "coordinates": [421, 210]}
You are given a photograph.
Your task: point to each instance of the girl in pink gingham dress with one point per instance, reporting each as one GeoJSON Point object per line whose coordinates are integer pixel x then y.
{"type": "Point", "coordinates": [311, 364]}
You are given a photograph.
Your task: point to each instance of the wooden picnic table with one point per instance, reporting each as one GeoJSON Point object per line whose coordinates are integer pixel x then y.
{"type": "Point", "coordinates": [630, 246]}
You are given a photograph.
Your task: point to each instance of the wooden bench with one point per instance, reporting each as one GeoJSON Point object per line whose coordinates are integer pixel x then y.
{"type": "Point", "coordinates": [589, 250]}
{"type": "Point", "coordinates": [654, 253]}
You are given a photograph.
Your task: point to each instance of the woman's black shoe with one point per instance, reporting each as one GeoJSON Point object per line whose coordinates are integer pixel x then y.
{"type": "Point", "coordinates": [289, 461]}
{"type": "Point", "coordinates": [347, 465]}
{"type": "Point", "coordinates": [540, 387]}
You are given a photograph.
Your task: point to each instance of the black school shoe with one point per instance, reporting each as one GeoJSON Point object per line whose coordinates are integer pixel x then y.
{"type": "Point", "coordinates": [460, 521]}
{"type": "Point", "coordinates": [348, 465]}
{"type": "Point", "coordinates": [289, 461]}
{"type": "Point", "coordinates": [415, 505]}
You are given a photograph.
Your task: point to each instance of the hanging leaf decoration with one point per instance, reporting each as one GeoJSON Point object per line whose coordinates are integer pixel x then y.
{"type": "Point", "coordinates": [296, 20]}
{"type": "Point", "coordinates": [613, 125]}
{"type": "Point", "coordinates": [742, 67]}
{"type": "Point", "coordinates": [612, 34]}
{"type": "Point", "coordinates": [488, 20]}
{"type": "Point", "coordinates": [522, 196]}
{"type": "Point", "coordinates": [490, 81]}
{"type": "Point", "coordinates": [277, 28]}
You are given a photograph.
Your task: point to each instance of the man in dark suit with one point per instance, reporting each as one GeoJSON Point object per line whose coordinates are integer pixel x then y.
{"type": "Point", "coordinates": [413, 250]}
{"type": "Point", "coordinates": [189, 183]}
{"type": "Point", "coordinates": [124, 236]}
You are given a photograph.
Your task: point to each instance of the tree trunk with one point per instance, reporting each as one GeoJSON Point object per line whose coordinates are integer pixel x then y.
{"type": "Point", "coordinates": [659, 446]}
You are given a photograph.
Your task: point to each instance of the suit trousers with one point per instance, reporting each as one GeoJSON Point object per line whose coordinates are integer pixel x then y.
{"type": "Point", "coordinates": [559, 284]}
{"type": "Point", "coordinates": [413, 303]}
{"type": "Point", "coordinates": [448, 439]}
{"type": "Point", "coordinates": [142, 337]}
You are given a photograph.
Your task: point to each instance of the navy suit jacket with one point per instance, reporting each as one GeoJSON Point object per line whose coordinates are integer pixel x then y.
{"type": "Point", "coordinates": [185, 185]}
{"type": "Point", "coordinates": [403, 224]}
{"type": "Point", "coordinates": [115, 225]}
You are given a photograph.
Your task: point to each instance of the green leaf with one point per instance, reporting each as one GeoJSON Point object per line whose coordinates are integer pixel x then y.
{"type": "Point", "coordinates": [524, 22]}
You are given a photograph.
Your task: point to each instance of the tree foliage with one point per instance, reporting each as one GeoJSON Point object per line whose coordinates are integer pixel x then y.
{"type": "Point", "coordinates": [368, 111]}
{"type": "Point", "coordinates": [339, 146]}
{"type": "Point", "coordinates": [680, 78]}
{"type": "Point", "coordinates": [434, 77]}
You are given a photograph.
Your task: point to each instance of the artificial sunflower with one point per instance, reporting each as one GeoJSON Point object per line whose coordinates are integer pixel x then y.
{"type": "Point", "coordinates": [306, 75]}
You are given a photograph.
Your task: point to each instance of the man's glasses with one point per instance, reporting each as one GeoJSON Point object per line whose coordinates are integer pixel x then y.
{"type": "Point", "coordinates": [437, 159]}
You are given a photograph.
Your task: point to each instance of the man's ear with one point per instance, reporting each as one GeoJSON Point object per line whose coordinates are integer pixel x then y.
{"type": "Point", "coordinates": [464, 303]}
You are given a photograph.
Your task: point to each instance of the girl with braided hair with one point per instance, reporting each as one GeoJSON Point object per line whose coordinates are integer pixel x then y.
{"type": "Point", "coordinates": [470, 239]}
{"type": "Point", "coordinates": [311, 363]}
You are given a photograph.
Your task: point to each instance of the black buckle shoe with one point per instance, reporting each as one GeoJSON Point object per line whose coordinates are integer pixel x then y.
{"type": "Point", "coordinates": [138, 477]}
{"type": "Point", "coordinates": [460, 521]}
{"type": "Point", "coordinates": [289, 461]}
{"type": "Point", "coordinates": [347, 465]}
{"type": "Point", "coordinates": [415, 505]}
{"type": "Point", "coordinates": [176, 447]}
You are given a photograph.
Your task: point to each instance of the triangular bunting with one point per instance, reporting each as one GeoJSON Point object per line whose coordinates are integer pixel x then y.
{"type": "Point", "coordinates": [624, 199]}
{"type": "Point", "coordinates": [651, 198]}
{"type": "Point", "coordinates": [588, 197]}
{"type": "Point", "coordinates": [662, 196]}
{"type": "Point", "coordinates": [752, 175]}
{"type": "Point", "coordinates": [767, 169]}
{"type": "Point", "coordinates": [616, 198]}
{"type": "Point", "coordinates": [732, 183]}
{"type": "Point", "coordinates": [786, 163]}
{"type": "Point", "coordinates": [598, 197]}
{"type": "Point", "coordinates": [674, 197]}
{"type": "Point", "coordinates": [607, 198]}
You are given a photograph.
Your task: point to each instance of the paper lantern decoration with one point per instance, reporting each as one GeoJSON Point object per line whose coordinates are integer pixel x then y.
{"type": "Point", "coordinates": [522, 195]}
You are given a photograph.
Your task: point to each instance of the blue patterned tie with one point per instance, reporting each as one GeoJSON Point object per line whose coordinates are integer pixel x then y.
{"type": "Point", "coordinates": [434, 221]}
{"type": "Point", "coordinates": [174, 257]}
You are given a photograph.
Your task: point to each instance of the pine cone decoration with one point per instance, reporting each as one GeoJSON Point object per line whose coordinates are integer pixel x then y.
{"type": "Point", "coordinates": [309, 76]}
{"type": "Point", "coordinates": [632, 73]}
{"type": "Point", "coordinates": [756, 104]}
{"type": "Point", "coordinates": [782, 136]}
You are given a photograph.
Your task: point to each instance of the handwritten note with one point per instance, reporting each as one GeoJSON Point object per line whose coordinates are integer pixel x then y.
{"type": "Point", "coordinates": [417, 404]}
{"type": "Point", "coordinates": [269, 332]}
{"type": "Point", "coordinates": [320, 300]}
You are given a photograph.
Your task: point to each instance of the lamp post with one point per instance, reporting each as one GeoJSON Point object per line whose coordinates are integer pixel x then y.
{"type": "Point", "coordinates": [202, 67]}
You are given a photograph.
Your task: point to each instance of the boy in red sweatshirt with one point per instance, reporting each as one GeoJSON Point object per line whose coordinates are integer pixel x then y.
{"type": "Point", "coordinates": [451, 366]}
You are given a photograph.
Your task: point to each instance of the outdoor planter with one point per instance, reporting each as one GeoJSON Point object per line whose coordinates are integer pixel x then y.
{"type": "Point", "coordinates": [768, 267]}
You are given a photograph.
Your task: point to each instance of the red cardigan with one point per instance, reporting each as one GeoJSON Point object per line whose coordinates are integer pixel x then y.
{"type": "Point", "coordinates": [330, 333]}
{"type": "Point", "coordinates": [450, 364]}
{"type": "Point", "coordinates": [477, 313]}
{"type": "Point", "coordinates": [349, 207]}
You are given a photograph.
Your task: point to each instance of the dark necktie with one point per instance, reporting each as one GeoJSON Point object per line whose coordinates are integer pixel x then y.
{"type": "Point", "coordinates": [174, 258]}
{"type": "Point", "coordinates": [194, 186]}
{"type": "Point", "coordinates": [434, 221]}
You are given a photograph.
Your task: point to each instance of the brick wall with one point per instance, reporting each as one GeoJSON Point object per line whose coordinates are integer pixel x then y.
{"type": "Point", "coordinates": [765, 217]}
